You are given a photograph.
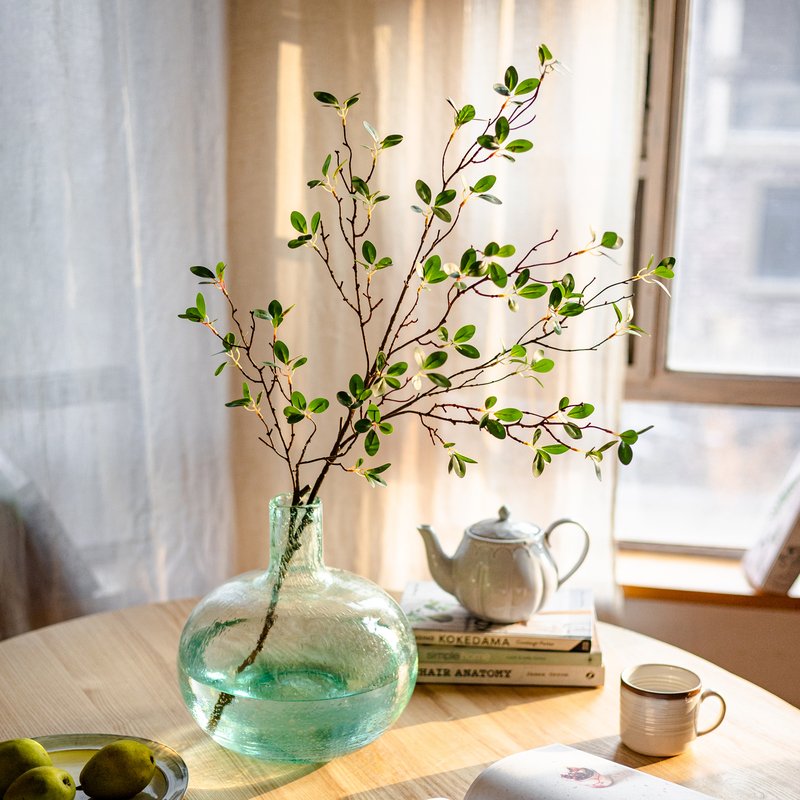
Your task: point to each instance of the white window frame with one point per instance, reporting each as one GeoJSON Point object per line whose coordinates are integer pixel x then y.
{"type": "Point", "coordinates": [648, 377]}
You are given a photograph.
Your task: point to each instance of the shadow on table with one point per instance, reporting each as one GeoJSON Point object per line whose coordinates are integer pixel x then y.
{"type": "Point", "coordinates": [452, 784]}
{"type": "Point", "coordinates": [611, 747]}
{"type": "Point", "coordinates": [436, 699]}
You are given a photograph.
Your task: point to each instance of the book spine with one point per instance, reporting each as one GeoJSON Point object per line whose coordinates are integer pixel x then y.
{"type": "Point", "coordinates": [512, 674]}
{"type": "Point", "coordinates": [429, 654]}
{"type": "Point", "coordinates": [773, 563]}
{"type": "Point", "coordinates": [578, 644]}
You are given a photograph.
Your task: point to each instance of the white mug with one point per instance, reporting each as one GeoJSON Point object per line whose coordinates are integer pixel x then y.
{"type": "Point", "coordinates": [659, 708]}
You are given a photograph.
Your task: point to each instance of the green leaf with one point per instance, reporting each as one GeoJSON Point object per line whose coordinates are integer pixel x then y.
{"type": "Point", "coordinates": [490, 198]}
{"type": "Point", "coordinates": [238, 403]}
{"type": "Point", "coordinates": [508, 414]}
{"type": "Point", "coordinates": [445, 197]}
{"type": "Point", "coordinates": [275, 311]}
{"type": "Point", "coordinates": [532, 291]}
{"type": "Point", "coordinates": [201, 304]}
{"type": "Point", "coordinates": [351, 101]}
{"type": "Point", "coordinates": [318, 405]}
{"type": "Point", "coordinates": [203, 272]}
{"type": "Point", "coordinates": [544, 54]}
{"type": "Point", "coordinates": [484, 184]}
{"type": "Point", "coordinates": [527, 86]}
{"type": "Point", "coordinates": [625, 453]}
{"type": "Point", "coordinates": [298, 401]}
{"type": "Point", "coordinates": [498, 275]}
{"type": "Point", "coordinates": [356, 385]}
{"type": "Point", "coordinates": [468, 350]}
{"type": "Point", "coordinates": [556, 296]}
{"type": "Point", "coordinates": [424, 192]}
{"type": "Point", "coordinates": [220, 368]}
{"type": "Point", "coordinates": [373, 413]}
{"type": "Point", "coordinates": [362, 425]}
{"type": "Point", "coordinates": [581, 412]}
{"type": "Point", "coordinates": [391, 141]}
{"type": "Point", "coordinates": [299, 222]}
{"type": "Point", "coordinates": [511, 78]}
{"type": "Point", "coordinates": [326, 99]}
{"type": "Point", "coordinates": [570, 310]}
{"type": "Point", "coordinates": [629, 437]}
{"type": "Point", "coordinates": [397, 369]}
{"type": "Point", "coordinates": [464, 334]}
{"type": "Point", "coordinates": [542, 365]}
{"type": "Point", "coordinates": [439, 380]}
{"type": "Point", "coordinates": [360, 186]}
{"type": "Point", "coordinates": [442, 213]}
{"type": "Point", "coordinates": [487, 142]}
{"type": "Point", "coordinates": [663, 272]}
{"type": "Point", "coordinates": [468, 258]}
{"type": "Point", "coordinates": [435, 360]}
{"type": "Point", "coordinates": [259, 313]}
{"type": "Point", "coordinates": [457, 466]}
{"type": "Point", "coordinates": [281, 352]}
{"type": "Point", "coordinates": [611, 241]}
{"type": "Point", "coordinates": [538, 464]}
{"type": "Point", "coordinates": [519, 146]}
{"type": "Point", "coordinates": [501, 89]}
{"type": "Point", "coordinates": [563, 403]}
{"type": "Point", "coordinates": [344, 399]}
{"type": "Point", "coordinates": [573, 431]}
{"type": "Point", "coordinates": [293, 415]}
{"type": "Point", "coordinates": [491, 249]}
{"type": "Point", "coordinates": [465, 115]}
{"type": "Point", "coordinates": [315, 222]}
{"type": "Point", "coordinates": [495, 428]}
{"type": "Point", "coordinates": [325, 165]}
{"type": "Point", "coordinates": [501, 129]}
{"type": "Point", "coordinates": [371, 131]}
{"type": "Point", "coordinates": [555, 449]}
{"type": "Point", "coordinates": [506, 251]}
{"type": "Point", "coordinates": [293, 244]}
{"type": "Point", "coordinates": [369, 252]}
{"type": "Point", "coordinates": [372, 443]}
{"type": "Point", "coordinates": [490, 402]}
{"type": "Point", "coordinates": [385, 428]}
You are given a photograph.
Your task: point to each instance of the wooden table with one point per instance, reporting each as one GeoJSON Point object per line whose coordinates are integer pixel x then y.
{"type": "Point", "coordinates": [115, 673]}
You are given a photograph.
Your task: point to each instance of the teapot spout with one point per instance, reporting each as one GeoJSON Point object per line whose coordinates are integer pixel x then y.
{"type": "Point", "coordinates": [440, 565]}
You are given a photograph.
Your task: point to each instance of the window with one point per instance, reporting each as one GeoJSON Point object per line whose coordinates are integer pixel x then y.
{"type": "Point", "coordinates": [719, 189]}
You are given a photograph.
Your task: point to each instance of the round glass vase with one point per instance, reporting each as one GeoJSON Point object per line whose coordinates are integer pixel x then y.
{"type": "Point", "coordinates": [300, 663]}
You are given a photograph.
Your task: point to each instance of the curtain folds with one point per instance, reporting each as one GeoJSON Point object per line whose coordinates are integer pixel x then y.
{"type": "Point", "coordinates": [141, 138]}
{"type": "Point", "coordinates": [405, 58]}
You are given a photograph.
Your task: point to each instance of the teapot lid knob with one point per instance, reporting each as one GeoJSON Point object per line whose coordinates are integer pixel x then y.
{"type": "Point", "coordinates": [504, 513]}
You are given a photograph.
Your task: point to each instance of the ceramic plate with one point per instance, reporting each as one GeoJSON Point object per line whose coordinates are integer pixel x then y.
{"type": "Point", "coordinates": [70, 751]}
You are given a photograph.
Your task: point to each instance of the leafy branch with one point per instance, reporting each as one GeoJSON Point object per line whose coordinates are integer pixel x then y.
{"type": "Point", "coordinates": [417, 370]}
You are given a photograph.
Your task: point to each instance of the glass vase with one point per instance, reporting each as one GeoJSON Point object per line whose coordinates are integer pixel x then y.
{"type": "Point", "coordinates": [299, 663]}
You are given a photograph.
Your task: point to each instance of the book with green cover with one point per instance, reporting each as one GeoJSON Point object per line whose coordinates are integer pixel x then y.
{"type": "Point", "coordinates": [439, 654]}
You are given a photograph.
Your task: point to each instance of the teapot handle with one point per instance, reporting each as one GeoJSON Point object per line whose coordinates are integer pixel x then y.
{"type": "Point", "coordinates": [585, 550]}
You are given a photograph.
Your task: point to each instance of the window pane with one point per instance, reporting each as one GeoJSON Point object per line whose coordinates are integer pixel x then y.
{"type": "Point", "coordinates": [705, 475]}
{"type": "Point", "coordinates": [736, 296]}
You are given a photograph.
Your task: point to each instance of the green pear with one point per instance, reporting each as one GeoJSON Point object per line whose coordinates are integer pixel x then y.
{"type": "Point", "coordinates": [42, 783]}
{"type": "Point", "coordinates": [121, 769]}
{"type": "Point", "coordinates": [18, 756]}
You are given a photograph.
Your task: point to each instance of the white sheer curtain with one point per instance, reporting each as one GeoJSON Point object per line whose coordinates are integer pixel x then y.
{"type": "Point", "coordinates": [121, 123]}
{"type": "Point", "coordinates": [114, 484]}
{"type": "Point", "coordinates": [406, 57]}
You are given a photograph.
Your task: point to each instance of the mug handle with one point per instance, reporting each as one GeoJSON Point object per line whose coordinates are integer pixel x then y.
{"type": "Point", "coordinates": [581, 557]}
{"type": "Point", "coordinates": [712, 693]}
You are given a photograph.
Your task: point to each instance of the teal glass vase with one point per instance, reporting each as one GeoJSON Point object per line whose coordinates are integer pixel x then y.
{"type": "Point", "coordinates": [299, 663]}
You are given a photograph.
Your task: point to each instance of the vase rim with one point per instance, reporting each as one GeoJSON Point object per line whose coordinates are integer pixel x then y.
{"type": "Point", "coordinates": [285, 501]}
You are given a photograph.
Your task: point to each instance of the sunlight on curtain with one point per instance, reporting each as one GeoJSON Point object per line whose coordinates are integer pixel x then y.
{"type": "Point", "coordinates": [405, 57]}
{"type": "Point", "coordinates": [114, 485]}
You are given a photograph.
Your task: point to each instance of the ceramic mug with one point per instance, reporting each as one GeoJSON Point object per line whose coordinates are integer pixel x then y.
{"type": "Point", "coordinates": [659, 708]}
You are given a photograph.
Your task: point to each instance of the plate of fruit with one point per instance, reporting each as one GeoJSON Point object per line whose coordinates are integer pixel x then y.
{"type": "Point", "coordinates": [102, 766]}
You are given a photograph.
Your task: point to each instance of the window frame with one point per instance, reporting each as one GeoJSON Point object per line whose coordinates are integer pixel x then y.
{"type": "Point", "coordinates": [648, 377]}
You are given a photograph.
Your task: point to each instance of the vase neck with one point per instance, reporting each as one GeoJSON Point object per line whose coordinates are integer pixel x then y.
{"type": "Point", "coordinates": [296, 528]}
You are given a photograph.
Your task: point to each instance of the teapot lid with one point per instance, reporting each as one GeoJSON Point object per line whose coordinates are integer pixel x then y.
{"type": "Point", "coordinates": [503, 528]}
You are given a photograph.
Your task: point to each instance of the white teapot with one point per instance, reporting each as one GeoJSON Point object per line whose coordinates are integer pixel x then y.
{"type": "Point", "coordinates": [503, 570]}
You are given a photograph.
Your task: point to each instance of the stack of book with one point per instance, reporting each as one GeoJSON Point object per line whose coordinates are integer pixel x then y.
{"type": "Point", "coordinates": [556, 647]}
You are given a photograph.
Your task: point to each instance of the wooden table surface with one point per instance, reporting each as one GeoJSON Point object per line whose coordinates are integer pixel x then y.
{"type": "Point", "coordinates": [115, 673]}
